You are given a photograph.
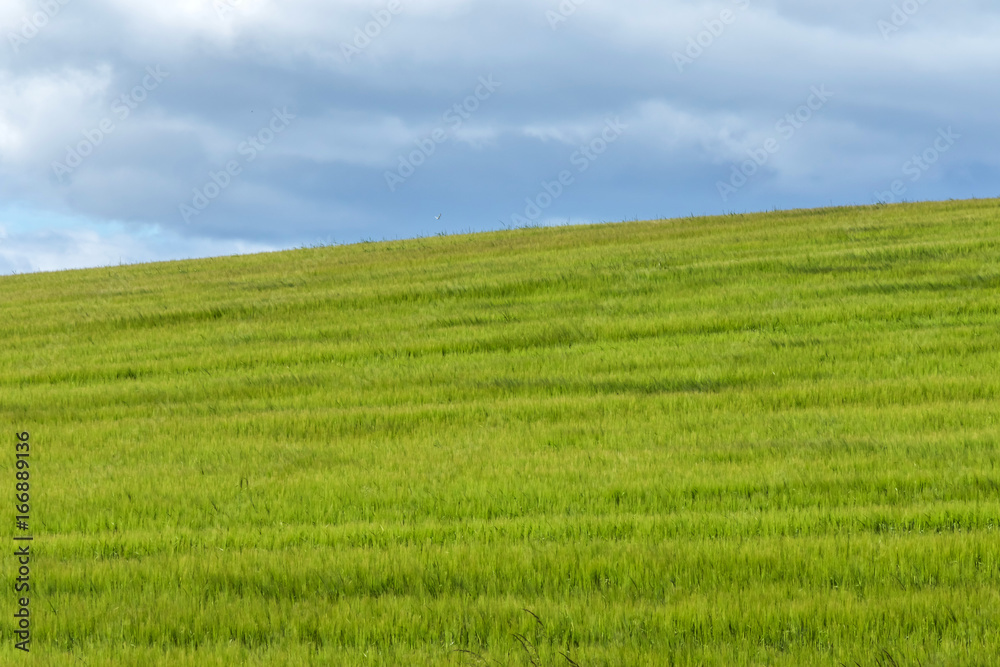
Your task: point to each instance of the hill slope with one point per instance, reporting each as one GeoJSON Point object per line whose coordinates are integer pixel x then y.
{"type": "Point", "coordinates": [761, 439]}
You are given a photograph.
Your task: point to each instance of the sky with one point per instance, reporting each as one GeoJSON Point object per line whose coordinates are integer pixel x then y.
{"type": "Point", "coordinates": [135, 132]}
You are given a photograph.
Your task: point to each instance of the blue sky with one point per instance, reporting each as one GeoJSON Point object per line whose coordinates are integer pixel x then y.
{"type": "Point", "coordinates": [146, 131]}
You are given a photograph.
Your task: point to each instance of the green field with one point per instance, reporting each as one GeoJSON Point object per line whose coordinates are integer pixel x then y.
{"type": "Point", "coordinates": [764, 439]}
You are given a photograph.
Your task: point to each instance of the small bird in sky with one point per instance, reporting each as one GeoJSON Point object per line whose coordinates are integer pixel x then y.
{"type": "Point", "coordinates": [438, 216]}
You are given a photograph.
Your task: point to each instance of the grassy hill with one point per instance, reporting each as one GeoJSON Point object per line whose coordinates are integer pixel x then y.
{"type": "Point", "coordinates": [747, 440]}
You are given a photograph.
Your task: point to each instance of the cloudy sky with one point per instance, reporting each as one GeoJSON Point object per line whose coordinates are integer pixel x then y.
{"type": "Point", "coordinates": [143, 131]}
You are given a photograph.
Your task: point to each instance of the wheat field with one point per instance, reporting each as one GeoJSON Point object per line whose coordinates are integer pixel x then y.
{"type": "Point", "coordinates": [766, 439]}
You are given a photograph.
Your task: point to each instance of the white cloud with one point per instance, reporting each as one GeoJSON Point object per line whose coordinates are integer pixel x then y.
{"type": "Point", "coordinates": [37, 110]}
{"type": "Point", "coordinates": [92, 245]}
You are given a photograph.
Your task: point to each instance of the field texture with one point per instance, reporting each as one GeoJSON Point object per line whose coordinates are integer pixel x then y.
{"type": "Point", "coordinates": [750, 440]}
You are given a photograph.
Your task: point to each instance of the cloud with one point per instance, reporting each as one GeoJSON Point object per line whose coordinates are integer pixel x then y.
{"type": "Point", "coordinates": [83, 244]}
